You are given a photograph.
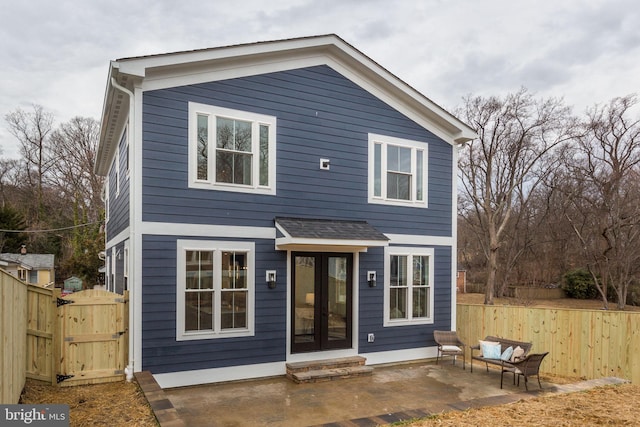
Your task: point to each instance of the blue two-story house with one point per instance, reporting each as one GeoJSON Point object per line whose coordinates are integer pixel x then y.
{"type": "Point", "coordinates": [276, 202]}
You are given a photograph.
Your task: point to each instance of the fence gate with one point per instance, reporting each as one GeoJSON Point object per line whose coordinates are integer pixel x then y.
{"type": "Point", "coordinates": [91, 337]}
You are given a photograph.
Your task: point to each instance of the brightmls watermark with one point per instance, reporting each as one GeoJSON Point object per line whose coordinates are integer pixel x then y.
{"type": "Point", "coordinates": [34, 415]}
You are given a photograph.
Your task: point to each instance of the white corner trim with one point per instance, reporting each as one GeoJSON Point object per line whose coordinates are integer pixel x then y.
{"type": "Point", "coordinates": [454, 232]}
{"type": "Point", "coordinates": [215, 375]}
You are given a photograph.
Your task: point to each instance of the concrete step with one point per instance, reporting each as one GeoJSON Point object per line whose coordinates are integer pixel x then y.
{"type": "Point", "coordinates": [341, 362]}
{"type": "Point", "coordinates": [320, 375]}
{"type": "Point", "coordinates": [328, 369]}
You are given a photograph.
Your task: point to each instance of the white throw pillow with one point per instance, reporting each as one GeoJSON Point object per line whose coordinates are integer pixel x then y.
{"type": "Point", "coordinates": [451, 348]}
{"type": "Point", "coordinates": [518, 352]}
{"type": "Point", "coordinates": [491, 350]}
{"type": "Point", "coordinates": [480, 342]}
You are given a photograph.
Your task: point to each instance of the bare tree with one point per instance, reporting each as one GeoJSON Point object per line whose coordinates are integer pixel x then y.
{"type": "Point", "coordinates": [32, 130]}
{"type": "Point", "coordinates": [74, 144]}
{"type": "Point", "coordinates": [604, 196]}
{"type": "Point", "coordinates": [8, 179]}
{"type": "Point", "coordinates": [503, 167]}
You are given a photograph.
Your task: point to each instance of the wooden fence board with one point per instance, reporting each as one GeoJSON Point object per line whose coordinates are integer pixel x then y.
{"type": "Point", "coordinates": [583, 343]}
{"type": "Point", "coordinates": [40, 332]}
{"type": "Point", "coordinates": [13, 332]}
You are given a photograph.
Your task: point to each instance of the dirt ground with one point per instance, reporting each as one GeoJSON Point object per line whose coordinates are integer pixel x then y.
{"type": "Point", "coordinates": [602, 406]}
{"type": "Point", "coordinates": [123, 404]}
{"type": "Point", "coordinates": [111, 404]}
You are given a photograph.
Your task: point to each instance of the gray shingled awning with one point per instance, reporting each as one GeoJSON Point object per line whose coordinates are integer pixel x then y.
{"type": "Point", "coordinates": [357, 235]}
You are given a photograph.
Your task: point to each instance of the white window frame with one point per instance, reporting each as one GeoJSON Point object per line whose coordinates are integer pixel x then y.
{"type": "Point", "coordinates": [409, 252]}
{"type": "Point", "coordinates": [212, 112]}
{"type": "Point", "coordinates": [414, 146]}
{"type": "Point", "coordinates": [217, 247]}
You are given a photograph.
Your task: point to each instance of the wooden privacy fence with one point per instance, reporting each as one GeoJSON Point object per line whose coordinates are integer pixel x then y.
{"type": "Point", "coordinates": [81, 338]}
{"type": "Point", "coordinates": [13, 329]}
{"type": "Point", "coordinates": [583, 343]}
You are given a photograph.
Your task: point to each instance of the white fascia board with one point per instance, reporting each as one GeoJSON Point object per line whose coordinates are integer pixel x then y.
{"type": "Point", "coordinates": [138, 66]}
{"type": "Point", "coordinates": [283, 243]}
{"type": "Point", "coordinates": [105, 148]}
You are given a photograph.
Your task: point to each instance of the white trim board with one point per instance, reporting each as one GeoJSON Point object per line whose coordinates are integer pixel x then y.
{"type": "Point", "coordinates": [215, 375]}
{"type": "Point", "coordinates": [119, 238]}
{"type": "Point", "coordinates": [396, 356]}
{"type": "Point", "coordinates": [204, 230]}
{"type": "Point", "coordinates": [413, 239]}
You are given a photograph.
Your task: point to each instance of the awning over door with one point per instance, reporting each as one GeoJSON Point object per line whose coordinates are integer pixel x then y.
{"type": "Point", "coordinates": [300, 233]}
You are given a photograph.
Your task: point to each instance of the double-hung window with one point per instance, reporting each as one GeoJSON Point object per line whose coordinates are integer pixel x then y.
{"type": "Point", "coordinates": [231, 150]}
{"type": "Point", "coordinates": [397, 171]}
{"type": "Point", "coordinates": [408, 281]}
{"type": "Point", "coordinates": [215, 286]}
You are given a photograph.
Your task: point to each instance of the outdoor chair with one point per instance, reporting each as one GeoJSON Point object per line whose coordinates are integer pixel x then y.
{"type": "Point", "coordinates": [526, 367]}
{"type": "Point", "coordinates": [449, 345]}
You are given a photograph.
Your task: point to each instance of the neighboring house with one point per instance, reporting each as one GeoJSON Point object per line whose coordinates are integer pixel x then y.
{"type": "Point", "coordinates": [275, 202]}
{"type": "Point", "coordinates": [37, 269]}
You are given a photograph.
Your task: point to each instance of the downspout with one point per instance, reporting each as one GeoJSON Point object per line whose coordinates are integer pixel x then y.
{"type": "Point", "coordinates": [130, 367]}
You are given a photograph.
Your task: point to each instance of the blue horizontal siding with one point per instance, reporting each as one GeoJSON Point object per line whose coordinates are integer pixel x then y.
{"type": "Point", "coordinates": [402, 337]}
{"type": "Point", "coordinates": [118, 204]}
{"type": "Point", "coordinates": [160, 350]}
{"type": "Point", "coordinates": [320, 114]}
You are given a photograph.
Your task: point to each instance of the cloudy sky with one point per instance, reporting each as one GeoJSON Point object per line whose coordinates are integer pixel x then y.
{"type": "Point", "coordinates": [56, 53]}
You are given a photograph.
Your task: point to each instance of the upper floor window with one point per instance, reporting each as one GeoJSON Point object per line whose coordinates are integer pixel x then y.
{"type": "Point", "coordinates": [397, 171]}
{"type": "Point", "coordinates": [408, 281]}
{"type": "Point", "coordinates": [231, 150]}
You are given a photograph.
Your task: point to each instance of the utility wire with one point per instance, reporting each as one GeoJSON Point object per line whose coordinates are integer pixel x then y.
{"type": "Point", "coordinates": [50, 230]}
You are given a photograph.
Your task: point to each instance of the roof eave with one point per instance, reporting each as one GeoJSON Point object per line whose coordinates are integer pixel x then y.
{"type": "Point", "coordinates": [418, 107]}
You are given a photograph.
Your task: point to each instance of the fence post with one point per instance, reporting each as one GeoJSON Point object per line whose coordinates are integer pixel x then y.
{"type": "Point", "coordinates": [57, 336]}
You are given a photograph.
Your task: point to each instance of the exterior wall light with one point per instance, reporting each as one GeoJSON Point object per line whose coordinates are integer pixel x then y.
{"type": "Point", "coordinates": [271, 279]}
{"type": "Point", "coordinates": [371, 278]}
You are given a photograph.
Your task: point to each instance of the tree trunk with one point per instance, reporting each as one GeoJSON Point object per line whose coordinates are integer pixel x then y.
{"type": "Point", "coordinates": [491, 277]}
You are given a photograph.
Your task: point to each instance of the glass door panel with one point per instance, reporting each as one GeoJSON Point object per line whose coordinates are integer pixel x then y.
{"type": "Point", "coordinates": [304, 316]}
{"type": "Point", "coordinates": [337, 304]}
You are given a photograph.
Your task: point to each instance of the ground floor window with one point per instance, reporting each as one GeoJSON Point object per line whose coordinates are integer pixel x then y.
{"type": "Point", "coordinates": [408, 282]}
{"type": "Point", "coordinates": [215, 289]}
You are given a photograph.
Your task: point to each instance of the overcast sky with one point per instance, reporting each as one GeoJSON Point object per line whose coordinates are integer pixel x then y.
{"type": "Point", "coordinates": [56, 53]}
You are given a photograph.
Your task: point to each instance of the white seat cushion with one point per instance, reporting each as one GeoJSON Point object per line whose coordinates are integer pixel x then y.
{"type": "Point", "coordinates": [451, 348]}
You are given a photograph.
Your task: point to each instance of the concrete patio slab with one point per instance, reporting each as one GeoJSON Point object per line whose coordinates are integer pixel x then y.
{"type": "Point", "coordinates": [392, 393]}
